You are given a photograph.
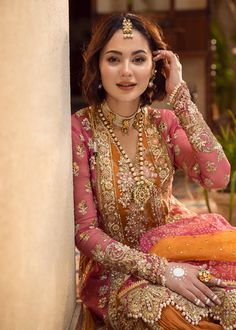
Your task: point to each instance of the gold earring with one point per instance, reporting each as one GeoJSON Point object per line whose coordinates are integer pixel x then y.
{"type": "Point", "coordinates": [150, 84]}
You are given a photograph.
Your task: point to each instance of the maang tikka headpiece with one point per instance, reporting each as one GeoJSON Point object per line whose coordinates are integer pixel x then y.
{"type": "Point", "coordinates": [127, 28]}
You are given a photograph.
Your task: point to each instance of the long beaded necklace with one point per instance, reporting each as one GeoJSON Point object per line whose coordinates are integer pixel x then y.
{"type": "Point", "coordinates": [141, 192]}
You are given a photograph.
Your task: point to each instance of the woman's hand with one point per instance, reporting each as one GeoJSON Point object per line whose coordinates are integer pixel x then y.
{"type": "Point", "coordinates": [172, 68]}
{"type": "Point", "coordinates": [189, 286]}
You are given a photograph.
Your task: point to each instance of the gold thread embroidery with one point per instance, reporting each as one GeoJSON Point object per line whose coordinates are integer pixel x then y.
{"type": "Point", "coordinates": [80, 150]}
{"type": "Point", "coordinates": [210, 166]}
{"type": "Point", "coordinates": [84, 236]}
{"type": "Point", "coordinates": [199, 134]}
{"type": "Point", "coordinates": [82, 207]}
{"type": "Point", "coordinates": [75, 169]}
{"type": "Point", "coordinates": [110, 215]}
{"type": "Point", "coordinates": [146, 303]}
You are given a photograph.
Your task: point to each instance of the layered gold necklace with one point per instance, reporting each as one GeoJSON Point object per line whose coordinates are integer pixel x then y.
{"type": "Point", "coordinates": [123, 122]}
{"type": "Point", "coordinates": [142, 189]}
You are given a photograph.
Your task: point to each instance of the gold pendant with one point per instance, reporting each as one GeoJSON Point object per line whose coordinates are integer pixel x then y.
{"type": "Point", "coordinates": [141, 194]}
{"type": "Point", "coordinates": [125, 126]}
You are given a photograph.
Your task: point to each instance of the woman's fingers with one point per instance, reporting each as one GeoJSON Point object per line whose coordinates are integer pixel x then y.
{"type": "Point", "coordinates": [166, 54]}
{"type": "Point", "coordinates": [200, 295]}
{"type": "Point", "coordinates": [166, 70]}
{"type": "Point", "coordinates": [172, 68]}
{"type": "Point", "coordinates": [205, 294]}
{"type": "Point", "coordinates": [193, 298]}
{"type": "Point", "coordinates": [203, 287]}
{"type": "Point", "coordinates": [204, 266]}
{"type": "Point", "coordinates": [214, 281]}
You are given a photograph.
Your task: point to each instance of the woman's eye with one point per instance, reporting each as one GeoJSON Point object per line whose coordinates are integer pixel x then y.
{"type": "Point", "coordinates": [112, 59]}
{"type": "Point", "coordinates": [139, 59]}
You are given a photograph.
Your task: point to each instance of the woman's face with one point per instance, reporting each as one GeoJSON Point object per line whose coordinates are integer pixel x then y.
{"type": "Point", "coordinates": [126, 66]}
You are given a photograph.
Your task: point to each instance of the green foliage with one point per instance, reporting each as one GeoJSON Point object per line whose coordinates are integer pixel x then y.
{"type": "Point", "coordinates": [223, 59]}
{"type": "Point", "coordinates": [227, 138]}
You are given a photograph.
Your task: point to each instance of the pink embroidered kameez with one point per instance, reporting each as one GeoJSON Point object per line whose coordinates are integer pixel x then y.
{"type": "Point", "coordinates": [109, 226]}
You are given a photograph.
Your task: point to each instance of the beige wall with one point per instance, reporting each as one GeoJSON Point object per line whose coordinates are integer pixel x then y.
{"type": "Point", "coordinates": [194, 73]}
{"type": "Point", "coordinates": [37, 289]}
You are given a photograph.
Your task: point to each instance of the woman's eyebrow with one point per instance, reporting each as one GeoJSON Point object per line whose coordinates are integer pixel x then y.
{"type": "Point", "coordinates": [133, 53]}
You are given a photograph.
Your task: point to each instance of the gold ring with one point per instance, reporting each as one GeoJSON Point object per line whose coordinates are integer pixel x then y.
{"type": "Point", "coordinates": [204, 275]}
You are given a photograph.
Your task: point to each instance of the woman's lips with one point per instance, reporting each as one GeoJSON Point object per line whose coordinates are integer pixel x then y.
{"type": "Point", "coordinates": [126, 86]}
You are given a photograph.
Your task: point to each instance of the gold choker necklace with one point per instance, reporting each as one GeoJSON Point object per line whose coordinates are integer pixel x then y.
{"type": "Point", "coordinates": [123, 122]}
{"type": "Point", "coordinates": [142, 189]}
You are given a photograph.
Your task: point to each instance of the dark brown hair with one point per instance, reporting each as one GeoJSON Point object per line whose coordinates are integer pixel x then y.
{"type": "Point", "coordinates": [100, 37]}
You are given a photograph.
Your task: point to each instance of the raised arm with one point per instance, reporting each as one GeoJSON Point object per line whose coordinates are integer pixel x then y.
{"type": "Point", "coordinates": [195, 148]}
{"type": "Point", "coordinates": [89, 238]}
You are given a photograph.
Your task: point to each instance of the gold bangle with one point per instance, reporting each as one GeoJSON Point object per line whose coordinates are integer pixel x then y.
{"type": "Point", "coordinates": [162, 280]}
{"type": "Point", "coordinates": [173, 94]}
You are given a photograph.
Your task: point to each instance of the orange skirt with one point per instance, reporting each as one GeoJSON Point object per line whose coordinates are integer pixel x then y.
{"type": "Point", "coordinates": [215, 246]}
{"type": "Point", "coordinates": [171, 319]}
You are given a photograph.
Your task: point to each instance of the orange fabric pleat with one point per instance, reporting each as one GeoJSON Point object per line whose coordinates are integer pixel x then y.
{"type": "Point", "coordinates": [218, 246]}
{"type": "Point", "coordinates": [171, 319]}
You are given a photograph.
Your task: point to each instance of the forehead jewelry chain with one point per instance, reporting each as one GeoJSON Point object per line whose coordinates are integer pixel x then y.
{"type": "Point", "coordinates": [142, 189]}
{"type": "Point", "coordinates": [127, 28]}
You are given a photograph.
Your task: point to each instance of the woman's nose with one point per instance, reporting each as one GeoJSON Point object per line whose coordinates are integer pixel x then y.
{"type": "Point", "coordinates": [125, 70]}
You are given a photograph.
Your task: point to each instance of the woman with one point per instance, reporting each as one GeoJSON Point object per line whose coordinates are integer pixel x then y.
{"type": "Point", "coordinates": [124, 157]}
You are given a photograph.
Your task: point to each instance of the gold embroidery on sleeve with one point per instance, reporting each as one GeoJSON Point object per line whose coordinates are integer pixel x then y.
{"type": "Point", "coordinates": [210, 166]}
{"type": "Point", "coordinates": [199, 134]}
{"type": "Point", "coordinates": [118, 256]}
{"type": "Point", "coordinates": [84, 236]}
{"type": "Point", "coordinates": [82, 206]}
{"type": "Point", "coordinates": [81, 137]}
{"type": "Point", "coordinates": [208, 183]}
{"type": "Point", "coordinates": [75, 169]}
{"type": "Point", "coordinates": [80, 150]}
{"type": "Point", "coordinates": [88, 187]}
{"type": "Point", "coordinates": [196, 168]}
